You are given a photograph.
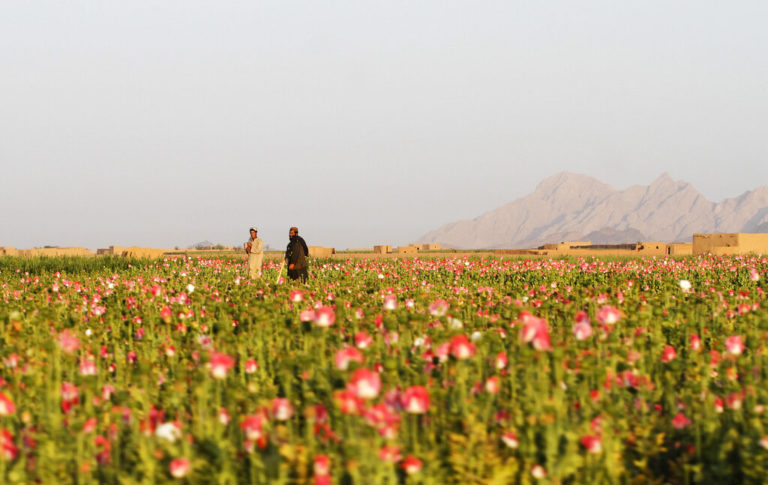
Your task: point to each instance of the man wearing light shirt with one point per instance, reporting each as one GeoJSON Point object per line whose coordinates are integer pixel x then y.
{"type": "Point", "coordinates": [254, 247]}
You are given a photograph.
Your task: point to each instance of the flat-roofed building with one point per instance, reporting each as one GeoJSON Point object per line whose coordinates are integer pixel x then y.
{"type": "Point", "coordinates": [431, 246]}
{"type": "Point", "coordinates": [8, 251]}
{"type": "Point", "coordinates": [730, 243]}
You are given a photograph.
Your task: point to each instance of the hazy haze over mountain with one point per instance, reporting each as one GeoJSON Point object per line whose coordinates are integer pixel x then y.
{"type": "Point", "coordinates": [571, 206]}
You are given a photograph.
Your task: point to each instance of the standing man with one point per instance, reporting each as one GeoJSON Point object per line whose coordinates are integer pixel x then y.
{"type": "Point", "coordinates": [296, 256]}
{"type": "Point", "coordinates": [254, 247]}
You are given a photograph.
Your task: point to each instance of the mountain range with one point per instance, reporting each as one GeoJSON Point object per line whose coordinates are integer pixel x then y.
{"type": "Point", "coordinates": [575, 207]}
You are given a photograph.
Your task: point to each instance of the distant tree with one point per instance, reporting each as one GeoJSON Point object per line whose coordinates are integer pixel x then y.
{"type": "Point", "coordinates": [202, 245]}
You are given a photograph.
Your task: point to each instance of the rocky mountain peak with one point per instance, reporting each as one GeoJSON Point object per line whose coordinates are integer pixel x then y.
{"type": "Point", "coordinates": [571, 206]}
{"type": "Point", "coordinates": [568, 181]}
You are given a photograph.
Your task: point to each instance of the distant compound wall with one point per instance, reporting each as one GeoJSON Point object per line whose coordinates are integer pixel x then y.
{"type": "Point", "coordinates": [753, 243]}
{"type": "Point", "coordinates": [320, 251]}
{"type": "Point", "coordinates": [112, 250]}
{"type": "Point", "coordinates": [409, 249]}
{"type": "Point", "coordinates": [680, 249]}
{"type": "Point", "coordinates": [55, 252]}
{"type": "Point", "coordinates": [137, 252]}
{"type": "Point", "coordinates": [705, 243]}
{"type": "Point", "coordinates": [8, 251]}
{"type": "Point", "coordinates": [730, 243]}
{"type": "Point", "coordinates": [652, 248]}
{"type": "Point", "coordinates": [565, 245]}
{"type": "Point", "coordinates": [432, 246]}
{"type": "Point", "coordinates": [605, 250]}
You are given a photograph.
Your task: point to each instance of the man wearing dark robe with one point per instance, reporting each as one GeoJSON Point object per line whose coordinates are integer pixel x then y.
{"type": "Point", "coordinates": [296, 256]}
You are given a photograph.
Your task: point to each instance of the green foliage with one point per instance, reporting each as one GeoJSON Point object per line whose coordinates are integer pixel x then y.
{"type": "Point", "coordinates": [40, 265]}
{"type": "Point", "coordinates": [153, 328]}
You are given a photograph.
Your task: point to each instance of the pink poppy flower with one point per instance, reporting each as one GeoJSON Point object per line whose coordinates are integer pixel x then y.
{"type": "Point", "coordinates": [106, 392]}
{"type": "Point", "coordinates": [531, 325]}
{"type": "Point", "coordinates": [325, 316]}
{"type": "Point", "coordinates": [322, 465]}
{"type": "Point", "coordinates": [166, 314]}
{"type": "Point", "coordinates": [251, 366]}
{"type": "Point", "coordinates": [220, 364]}
{"type": "Point", "coordinates": [88, 367]}
{"type": "Point", "coordinates": [390, 302]}
{"type": "Point", "coordinates": [224, 416]}
{"type": "Point", "coordinates": [390, 454]}
{"type": "Point", "coordinates": [322, 470]}
{"type": "Point", "coordinates": [346, 356]}
{"type": "Point", "coordinates": [680, 421]}
{"type": "Point", "coordinates": [462, 348]}
{"type": "Point", "coordinates": [492, 385]}
{"type": "Point", "coordinates": [411, 465]}
{"type": "Point", "coordinates": [734, 345]}
{"type": "Point", "coordinates": [90, 425]}
{"type": "Point", "coordinates": [365, 384]}
{"type": "Point", "coordinates": [179, 467]}
{"type": "Point", "coordinates": [734, 400]}
{"type": "Point", "coordinates": [668, 354]}
{"type": "Point", "coordinates": [253, 426]}
{"type": "Point", "coordinates": [592, 443]}
{"type": "Point", "coordinates": [535, 331]}
{"type": "Point", "coordinates": [510, 439]}
{"type": "Point", "coordinates": [582, 316]}
{"type": "Point", "coordinates": [582, 330]}
{"type": "Point", "coordinates": [307, 316]}
{"type": "Point", "coordinates": [347, 402]}
{"type": "Point", "coordinates": [439, 308]}
{"type": "Point", "coordinates": [695, 343]}
{"type": "Point", "coordinates": [12, 361]}
{"type": "Point", "coordinates": [363, 340]}
{"type": "Point", "coordinates": [608, 315]}
{"type": "Point", "coordinates": [7, 407]}
{"type": "Point", "coordinates": [442, 352]}
{"type": "Point", "coordinates": [501, 360]}
{"type": "Point", "coordinates": [69, 396]}
{"type": "Point", "coordinates": [8, 449]}
{"type": "Point", "coordinates": [68, 342]}
{"type": "Point", "coordinates": [282, 409]}
{"type": "Point", "coordinates": [415, 400]}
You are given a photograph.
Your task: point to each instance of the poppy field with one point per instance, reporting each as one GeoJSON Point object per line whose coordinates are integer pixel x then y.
{"type": "Point", "coordinates": [401, 371]}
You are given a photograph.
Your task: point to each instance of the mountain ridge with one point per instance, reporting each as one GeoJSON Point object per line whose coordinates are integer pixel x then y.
{"type": "Point", "coordinates": [570, 206]}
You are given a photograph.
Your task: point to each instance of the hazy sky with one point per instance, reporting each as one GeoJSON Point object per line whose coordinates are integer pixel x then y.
{"type": "Point", "coordinates": [170, 122]}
